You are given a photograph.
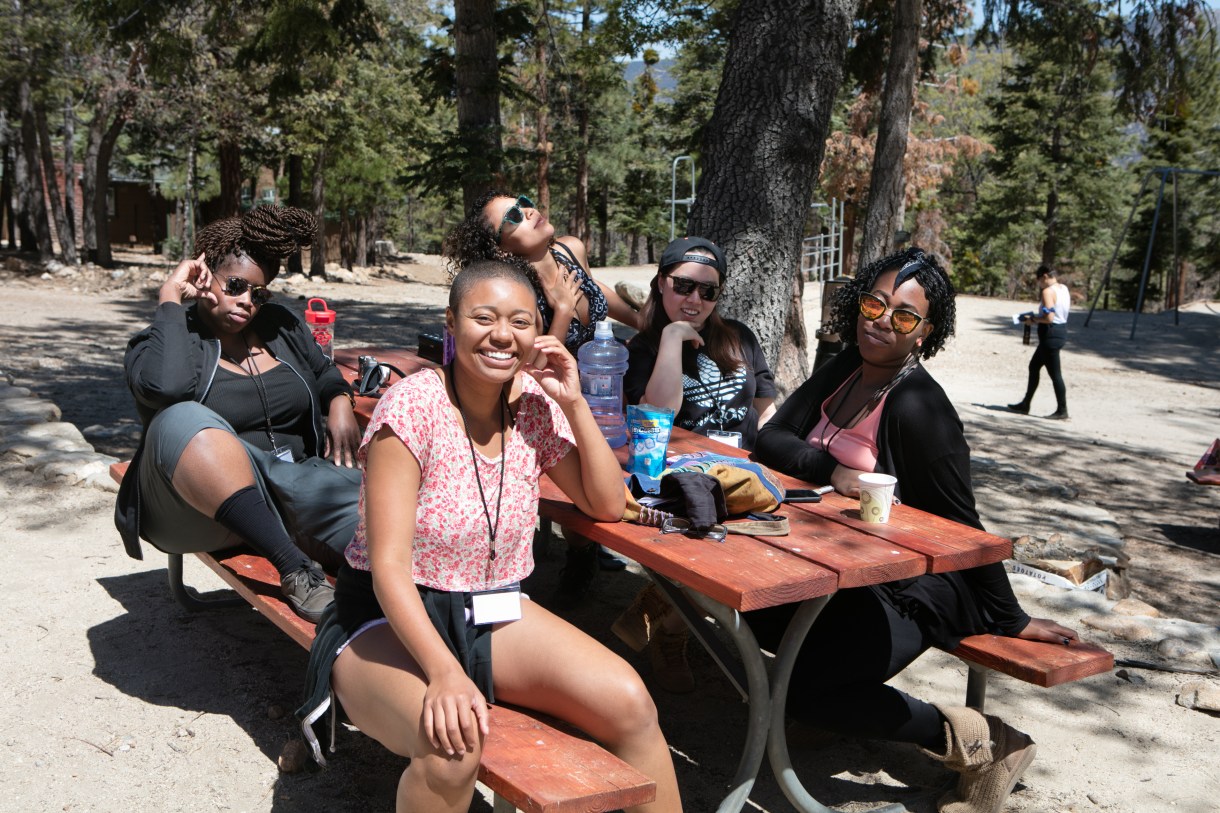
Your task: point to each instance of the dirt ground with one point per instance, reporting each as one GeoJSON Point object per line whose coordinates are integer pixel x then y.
{"type": "Point", "coordinates": [118, 700]}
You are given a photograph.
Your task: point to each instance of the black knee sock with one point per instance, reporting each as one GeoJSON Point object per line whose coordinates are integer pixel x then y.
{"type": "Point", "coordinates": [247, 514]}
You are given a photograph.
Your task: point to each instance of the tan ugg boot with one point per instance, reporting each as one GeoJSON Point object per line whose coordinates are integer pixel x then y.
{"type": "Point", "coordinates": [989, 754]}
{"type": "Point", "coordinates": [639, 621]}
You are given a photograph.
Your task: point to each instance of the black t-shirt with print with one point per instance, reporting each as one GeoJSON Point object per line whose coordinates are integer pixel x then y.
{"type": "Point", "coordinates": [710, 400]}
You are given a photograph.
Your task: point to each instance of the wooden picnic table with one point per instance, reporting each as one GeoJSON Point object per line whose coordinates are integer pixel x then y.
{"type": "Point", "coordinates": [828, 548]}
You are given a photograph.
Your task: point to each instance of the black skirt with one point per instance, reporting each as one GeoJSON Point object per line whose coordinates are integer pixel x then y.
{"type": "Point", "coordinates": [356, 605]}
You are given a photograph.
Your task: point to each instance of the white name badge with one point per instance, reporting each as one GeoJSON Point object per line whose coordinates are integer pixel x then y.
{"type": "Point", "coordinates": [730, 438]}
{"type": "Point", "coordinates": [284, 453]}
{"type": "Point", "coordinates": [496, 606]}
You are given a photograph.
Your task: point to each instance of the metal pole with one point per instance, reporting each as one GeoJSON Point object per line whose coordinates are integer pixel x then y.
{"type": "Point", "coordinates": [1156, 216]}
{"type": "Point", "coordinates": [673, 196]}
{"type": "Point", "coordinates": [1105, 279]}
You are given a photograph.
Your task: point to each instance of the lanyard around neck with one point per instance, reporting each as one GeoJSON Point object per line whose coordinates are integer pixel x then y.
{"type": "Point", "coordinates": [492, 528]}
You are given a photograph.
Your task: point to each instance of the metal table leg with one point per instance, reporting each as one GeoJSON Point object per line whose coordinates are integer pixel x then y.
{"type": "Point", "coordinates": [759, 700]}
{"type": "Point", "coordinates": [777, 740]}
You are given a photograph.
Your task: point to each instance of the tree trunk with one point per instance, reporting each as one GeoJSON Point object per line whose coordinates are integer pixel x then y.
{"type": "Point", "coordinates": [70, 175]}
{"type": "Point", "coordinates": [317, 252]}
{"type": "Point", "coordinates": [478, 94]}
{"type": "Point", "coordinates": [228, 155]}
{"type": "Point", "coordinates": [580, 208]}
{"type": "Point", "coordinates": [345, 239]}
{"type": "Point", "coordinates": [603, 225]}
{"type": "Point", "coordinates": [88, 182]}
{"type": "Point", "coordinates": [544, 135]}
{"type": "Point", "coordinates": [36, 204]}
{"type": "Point", "coordinates": [6, 196]}
{"type": "Point", "coordinates": [633, 257]}
{"type": "Point", "coordinates": [362, 241]}
{"type": "Point", "coordinates": [1050, 241]}
{"type": "Point", "coordinates": [295, 198]}
{"type": "Point", "coordinates": [887, 189]}
{"type": "Point", "coordinates": [761, 154]}
{"type": "Point", "coordinates": [63, 229]}
{"type": "Point", "coordinates": [101, 218]}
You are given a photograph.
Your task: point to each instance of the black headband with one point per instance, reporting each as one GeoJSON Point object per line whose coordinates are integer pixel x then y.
{"type": "Point", "coordinates": [909, 270]}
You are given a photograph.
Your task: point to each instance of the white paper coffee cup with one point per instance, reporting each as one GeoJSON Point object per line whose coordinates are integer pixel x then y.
{"type": "Point", "coordinates": [876, 496]}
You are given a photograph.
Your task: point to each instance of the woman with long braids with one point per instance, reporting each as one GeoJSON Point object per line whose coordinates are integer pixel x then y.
{"type": "Point", "coordinates": [511, 229]}
{"type": "Point", "coordinates": [232, 390]}
{"type": "Point", "coordinates": [874, 408]}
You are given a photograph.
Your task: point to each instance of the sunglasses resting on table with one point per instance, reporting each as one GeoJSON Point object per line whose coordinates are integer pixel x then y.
{"type": "Point", "coordinates": [514, 215]}
{"type": "Point", "coordinates": [236, 286]}
{"type": "Point", "coordinates": [902, 320]}
{"type": "Point", "coordinates": [708, 291]}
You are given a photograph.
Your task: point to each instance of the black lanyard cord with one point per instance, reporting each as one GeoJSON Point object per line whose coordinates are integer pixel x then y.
{"type": "Point", "coordinates": [262, 391]}
{"type": "Point", "coordinates": [492, 528]}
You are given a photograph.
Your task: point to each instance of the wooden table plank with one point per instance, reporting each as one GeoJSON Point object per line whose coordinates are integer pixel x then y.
{"type": "Point", "coordinates": [741, 572]}
{"type": "Point", "coordinates": [947, 545]}
{"type": "Point", "coordinates": [1037, 662]}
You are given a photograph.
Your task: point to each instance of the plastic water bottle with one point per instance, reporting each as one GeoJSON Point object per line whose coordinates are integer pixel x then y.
{"type": "Point", "coordinates": [603, 362]}
{"type": "Point", "coordinates": [321, 322]}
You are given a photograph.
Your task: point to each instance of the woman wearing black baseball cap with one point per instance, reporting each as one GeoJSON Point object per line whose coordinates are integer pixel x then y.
{"type": "Point", "coordinates": [712, 372]}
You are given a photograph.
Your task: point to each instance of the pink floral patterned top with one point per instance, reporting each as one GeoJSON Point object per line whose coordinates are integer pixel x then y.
{"type": "Point", "coordinates": [452, 541]}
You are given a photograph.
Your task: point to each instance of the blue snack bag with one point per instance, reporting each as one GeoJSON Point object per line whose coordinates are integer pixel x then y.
{"type": "Point", "coordinates": [649, 428]}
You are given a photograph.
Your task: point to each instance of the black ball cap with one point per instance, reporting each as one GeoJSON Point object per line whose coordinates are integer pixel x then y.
{"type": "Point", "coordinates": [679, 250]}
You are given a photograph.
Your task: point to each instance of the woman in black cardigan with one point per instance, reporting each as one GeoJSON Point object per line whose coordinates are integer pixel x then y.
{"type": "Point", "coordinates": [875, 408]}
{"type": "Point", "coordinates": [231, 390]}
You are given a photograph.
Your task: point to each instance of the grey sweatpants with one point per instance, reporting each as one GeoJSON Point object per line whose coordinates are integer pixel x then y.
{"type": "Point", "coordinates": [314, 498]}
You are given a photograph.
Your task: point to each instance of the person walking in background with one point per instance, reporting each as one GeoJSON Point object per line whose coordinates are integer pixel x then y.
{"type": "Point", "coordinates": [1051, 319]}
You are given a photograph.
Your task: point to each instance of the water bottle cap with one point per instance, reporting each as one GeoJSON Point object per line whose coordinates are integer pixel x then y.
{"type": "Point", "coordinates": [603, 330]}
{"type": "Point", "coordinates": [314, 316]}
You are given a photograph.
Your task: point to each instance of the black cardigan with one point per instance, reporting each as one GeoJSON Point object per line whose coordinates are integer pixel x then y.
{"type": "Point", "coordinates": [175, 359]}
{"type": "Point", "coordinates": [919, 441]}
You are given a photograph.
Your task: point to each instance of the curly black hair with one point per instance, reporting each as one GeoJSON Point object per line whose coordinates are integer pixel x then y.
{"type": "Point", "coordinates": [474, 240]}
{"type": "Point", "coordinates": [265, 234]}
{"type": "Point", "coordinates": [931, 276]}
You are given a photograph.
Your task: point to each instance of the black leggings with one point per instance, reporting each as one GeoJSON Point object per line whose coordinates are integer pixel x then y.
{"type": "Point", "coordinates": [1050, 342]}
{"type": "Point", "coordinates": [860, 641]}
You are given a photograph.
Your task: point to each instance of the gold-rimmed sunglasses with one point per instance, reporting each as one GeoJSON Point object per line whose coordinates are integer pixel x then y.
{"type": "Point", "coordinates": [902, 320]}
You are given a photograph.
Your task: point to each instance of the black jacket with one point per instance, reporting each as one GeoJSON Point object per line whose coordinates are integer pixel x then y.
{"type": "Point", "coordinates": [175, 359]}
{"type": "Point", "coordinates": [919, 441]}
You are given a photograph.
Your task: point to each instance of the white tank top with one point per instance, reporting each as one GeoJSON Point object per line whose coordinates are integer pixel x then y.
{"type": "Point", "coordinates": [1063, 304]}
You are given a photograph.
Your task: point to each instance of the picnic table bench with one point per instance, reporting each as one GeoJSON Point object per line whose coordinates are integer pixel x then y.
{"type": "Point", "coordinates": [529, 764]}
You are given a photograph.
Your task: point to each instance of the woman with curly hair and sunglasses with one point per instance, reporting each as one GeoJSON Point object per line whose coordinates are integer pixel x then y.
{"type": "Point", "coordinates": [232, 390]}
{"type": "Point", "coordinates": [510, 229]}
{"type": "Point", "coordinates": [874, 408]}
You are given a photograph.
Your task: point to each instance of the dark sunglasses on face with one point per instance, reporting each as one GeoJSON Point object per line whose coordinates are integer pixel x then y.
{"type": "Point", "coordinates": [514, 215]}
{"type": "Point", "coordinates": [902, 320]}
{"type": "Point", "coordinates": [708, 291]}
{"type": "Point", "coordinates": [236, 286]}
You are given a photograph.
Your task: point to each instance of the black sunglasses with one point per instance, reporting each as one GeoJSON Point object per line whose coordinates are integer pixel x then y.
{"type": "Point", "coordinates": [514, 214]}
{"type": "Point", "coordinates": [236, 286]}
{"type": "Point", "coordinates": [708, 291]}
{"type": "Point", "coordinates": [902, 320]}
